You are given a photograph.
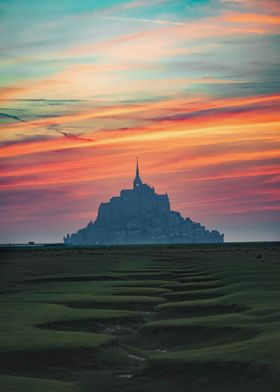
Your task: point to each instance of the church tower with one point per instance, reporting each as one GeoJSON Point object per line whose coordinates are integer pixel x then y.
{"type": "Point", "coordinates": [137, 180]}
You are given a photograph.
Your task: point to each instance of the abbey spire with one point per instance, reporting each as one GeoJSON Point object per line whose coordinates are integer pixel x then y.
{"type": "Point", "coordinates": [137, 180]}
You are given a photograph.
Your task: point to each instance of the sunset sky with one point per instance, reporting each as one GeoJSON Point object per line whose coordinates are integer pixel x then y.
{"type": "Point", "coordinates": [190, 87]}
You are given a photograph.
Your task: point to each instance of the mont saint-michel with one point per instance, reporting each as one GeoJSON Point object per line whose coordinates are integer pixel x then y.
{"type": "Point", "coordinates": [141, 216]}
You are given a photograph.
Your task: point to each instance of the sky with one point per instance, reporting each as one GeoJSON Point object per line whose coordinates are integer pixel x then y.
{"type": "Point", "coordinates": [190, 87]}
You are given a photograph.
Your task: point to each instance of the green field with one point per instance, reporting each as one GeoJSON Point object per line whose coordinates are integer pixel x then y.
{"type": "Point", "coordinates": [148, 318]}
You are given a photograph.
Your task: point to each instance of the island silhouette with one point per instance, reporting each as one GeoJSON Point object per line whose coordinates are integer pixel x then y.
{"type": "Point", "coordinates": [141, 216]}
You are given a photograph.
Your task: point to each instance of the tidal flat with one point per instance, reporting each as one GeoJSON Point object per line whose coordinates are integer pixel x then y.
{"type": "Point", "coordinates": [195, 318]}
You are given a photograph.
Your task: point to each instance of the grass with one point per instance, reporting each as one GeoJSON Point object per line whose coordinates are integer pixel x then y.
{"type": "Point", "coordinates": [23, 384]}
{"type": "Point", "coordinates": [152, 318]}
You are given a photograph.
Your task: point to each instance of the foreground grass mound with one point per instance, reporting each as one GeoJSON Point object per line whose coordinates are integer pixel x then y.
{"type": "Point", "coordinates": [151, 318]}
{"type": "Point", "coordinates": [23, 384]}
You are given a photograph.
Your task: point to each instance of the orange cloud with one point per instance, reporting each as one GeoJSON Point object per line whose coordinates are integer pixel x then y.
{"type": "Point", "coordinates": [238, 17]}
{"type": "Point", "coordinates": [189, 118]}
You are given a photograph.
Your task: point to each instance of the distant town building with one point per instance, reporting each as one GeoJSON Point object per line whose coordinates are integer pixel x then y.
{"type": "Point", "coordinates": [141, 216]}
